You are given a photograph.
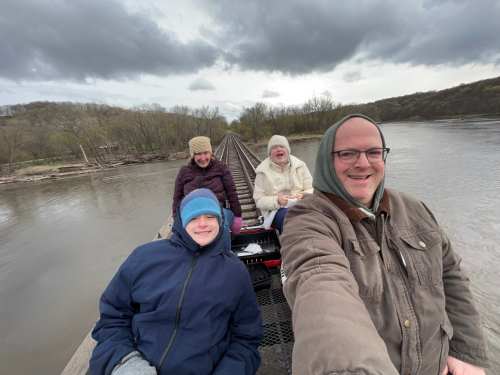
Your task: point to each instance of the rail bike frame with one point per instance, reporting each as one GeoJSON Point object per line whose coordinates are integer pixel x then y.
{"type": "Point", "coordinates": [261, 263]}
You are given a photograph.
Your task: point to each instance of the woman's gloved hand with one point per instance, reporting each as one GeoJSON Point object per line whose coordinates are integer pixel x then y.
{"type": "Point", "coordinates": [236, 225]}
{"type": "Point", "coordinates": [133, 364]}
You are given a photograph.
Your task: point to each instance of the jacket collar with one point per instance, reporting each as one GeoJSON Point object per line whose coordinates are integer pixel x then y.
{"type": "Point", "coordinates": [353, 212]}
{"type": "Point", "coordinates": [279, 168]}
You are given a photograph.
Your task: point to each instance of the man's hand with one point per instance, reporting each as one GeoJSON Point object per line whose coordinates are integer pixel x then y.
{"type": "Point", "coordinates": [457, 367]}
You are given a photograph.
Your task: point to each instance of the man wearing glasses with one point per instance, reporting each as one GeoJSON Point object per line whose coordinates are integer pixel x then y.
{"type": "Point", "coordinates": [374, 284]}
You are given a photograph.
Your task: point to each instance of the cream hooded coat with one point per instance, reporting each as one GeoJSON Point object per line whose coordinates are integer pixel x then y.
{"type": "Point", "coordinates": [271, 179]}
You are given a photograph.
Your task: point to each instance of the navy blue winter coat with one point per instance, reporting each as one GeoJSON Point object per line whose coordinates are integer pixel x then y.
{"type": "Point", "coordinates": [187, 309]}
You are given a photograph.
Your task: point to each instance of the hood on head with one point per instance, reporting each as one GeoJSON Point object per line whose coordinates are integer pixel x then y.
{"type": "Point", "coordinates": [277, 140]}
{"type": "Point", "coordinates": [325, 179]}
{"type": "Point", "coordinates": [199, 202]}
{"type": "Point", "coordinates": [181, 236]}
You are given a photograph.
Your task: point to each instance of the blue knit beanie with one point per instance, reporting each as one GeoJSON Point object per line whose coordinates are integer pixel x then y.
{"type": "Point", "coordinates": [199, 202]}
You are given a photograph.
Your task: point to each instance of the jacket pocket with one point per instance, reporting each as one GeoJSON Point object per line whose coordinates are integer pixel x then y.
{"type": "Point", "coordinates": [425, 252]}
{"type": "Point", "coordinates": [446, 335]}
{"type": "Point", "coordinates": [366, 266]}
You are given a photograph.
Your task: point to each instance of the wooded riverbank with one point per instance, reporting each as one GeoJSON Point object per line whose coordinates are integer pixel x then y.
{"type": "Point", "coordinates": [45, 130]}
{"type": "Point", "coordinates": [37, 173]}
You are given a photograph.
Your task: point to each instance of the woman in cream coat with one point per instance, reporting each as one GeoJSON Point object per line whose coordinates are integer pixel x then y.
{"type": "Point", "coordinates": [280, 181]}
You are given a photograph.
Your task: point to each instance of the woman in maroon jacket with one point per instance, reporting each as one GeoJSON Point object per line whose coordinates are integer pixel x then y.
{"type": "Point", "coordinates": [204, 171]}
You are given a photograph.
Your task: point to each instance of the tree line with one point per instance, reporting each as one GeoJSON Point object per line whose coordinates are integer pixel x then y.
{"type": "Point", "coordinates": [477, 98]}
{"type": "Point", "coordinates": [316, 115]}
{"type": "Point", "coordinates": [48, 131]}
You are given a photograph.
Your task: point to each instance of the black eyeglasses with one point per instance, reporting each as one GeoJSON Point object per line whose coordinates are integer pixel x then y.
{"type": "Point", "coordinates": [374, 155]}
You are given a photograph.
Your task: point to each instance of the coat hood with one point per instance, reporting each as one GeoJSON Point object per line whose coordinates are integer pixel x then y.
{"type": "Point", "coordinates": [326, 180]}
{"type": "Point", "coordinates": [218, 245]}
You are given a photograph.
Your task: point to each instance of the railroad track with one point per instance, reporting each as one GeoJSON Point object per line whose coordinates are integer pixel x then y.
{"type": "Point", "coordinates": [277, 343]}
{"type": "Point", "coordinates": [242, 162]}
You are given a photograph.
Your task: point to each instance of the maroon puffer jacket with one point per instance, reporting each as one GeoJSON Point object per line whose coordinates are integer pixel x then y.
{"type": "Point", "coordinates": [216, 177]}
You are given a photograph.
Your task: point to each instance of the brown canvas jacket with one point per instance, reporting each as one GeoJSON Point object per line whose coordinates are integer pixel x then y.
{"type": "Point", "coordinates": [384, 296]}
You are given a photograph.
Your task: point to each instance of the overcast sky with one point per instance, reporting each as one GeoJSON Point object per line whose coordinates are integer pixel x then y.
{"type": "Point", "coordinates": [234, 53]}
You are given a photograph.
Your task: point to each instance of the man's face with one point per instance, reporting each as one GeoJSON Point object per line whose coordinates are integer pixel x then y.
{"type": "Point", "coordinates": [361, 177]}
{"type": "Point", "coordinates": [279, 155]}
{"type": "Point", "coordinates": [202, 159]}
{"type": "Point", "coordinates": [203, 229]}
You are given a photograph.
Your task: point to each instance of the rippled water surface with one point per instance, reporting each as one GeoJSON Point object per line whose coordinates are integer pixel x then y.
{"type": "Point", "coordinates": [61, 241]}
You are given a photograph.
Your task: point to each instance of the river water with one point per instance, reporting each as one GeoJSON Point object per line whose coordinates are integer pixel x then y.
{"type": "Point", "coordinates": [61, 241]}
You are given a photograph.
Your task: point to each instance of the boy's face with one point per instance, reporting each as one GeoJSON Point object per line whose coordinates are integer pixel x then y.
{"type": "Point", "coordinates": [203, 229]}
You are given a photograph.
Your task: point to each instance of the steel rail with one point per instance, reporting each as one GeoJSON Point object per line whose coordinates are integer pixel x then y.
{"type": "Point", "coordinates": [277, 344]}
{"type": "Point", "coordinates": [242, 163]}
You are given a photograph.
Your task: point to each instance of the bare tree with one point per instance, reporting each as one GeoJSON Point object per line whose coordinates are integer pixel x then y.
{"type": "Point", "coordinates": [82, 127]}
{"type": "Point", "coordinates": [254, 117]}
{"type": "Point", "coordinates": [11, 137]}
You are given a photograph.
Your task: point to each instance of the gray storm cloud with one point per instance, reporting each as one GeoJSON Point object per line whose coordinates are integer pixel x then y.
{"type": "Point", "coordinates": [352, 76]}
{"type": "Point", "coordinates": [86, 39]}
{"type": "Point", "coordinates": [82, 39]}
{"type": "Point", "coordinates": [298, 37]}
{"type": "Point", "coordinates": [201, 84]}
{"type": "Point", "coordinates": [270, 94]}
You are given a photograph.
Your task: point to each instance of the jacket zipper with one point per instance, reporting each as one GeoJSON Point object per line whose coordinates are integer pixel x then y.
{"type": "Point", "coordinates": [178, 313]}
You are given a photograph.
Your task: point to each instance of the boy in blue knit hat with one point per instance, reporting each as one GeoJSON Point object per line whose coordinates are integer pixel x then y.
{"type": "Point", "coordinates": [201, 215]}
{"type": "Point", "coordinates": [183, 305]}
